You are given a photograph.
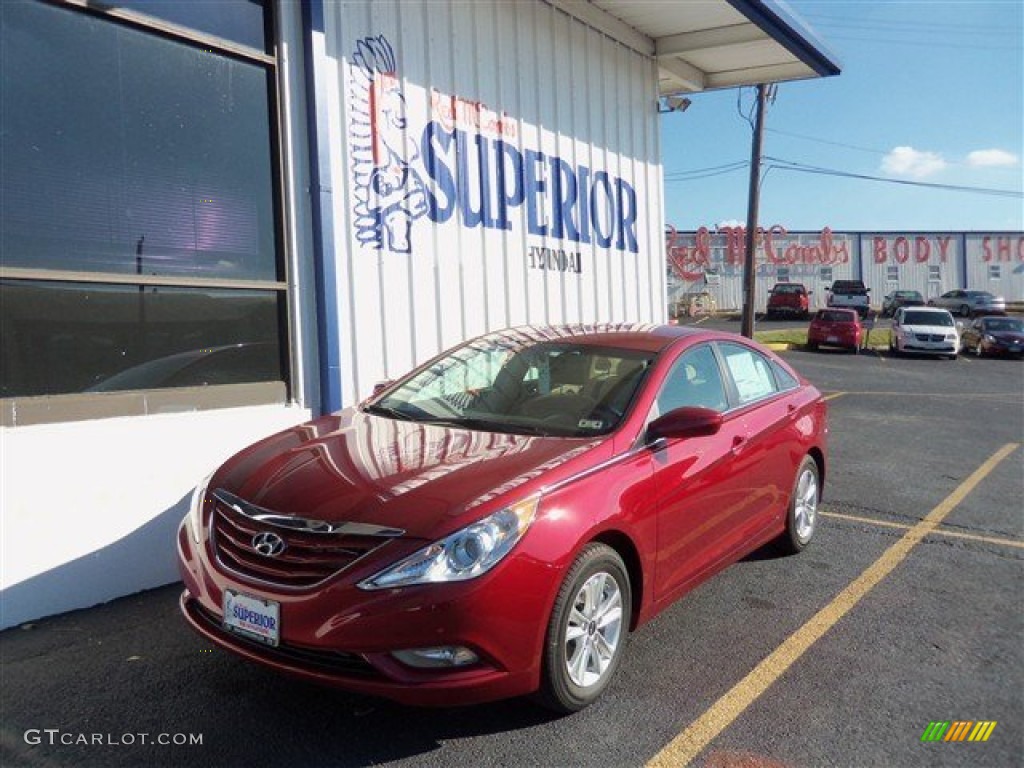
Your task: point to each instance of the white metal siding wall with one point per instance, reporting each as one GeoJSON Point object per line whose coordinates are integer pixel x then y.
{"type": "Point", "coordinates": [989, 254]}
{"type": "Point", "coordinates": [814, 259]}
{"type": "Point", "coordinates": [560, 88]}
{"type": "Point", "coordinates": [931, 263]}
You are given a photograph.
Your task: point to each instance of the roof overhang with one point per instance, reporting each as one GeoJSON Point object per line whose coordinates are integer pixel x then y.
{"type": "Point", "coordinates": [708, 44]}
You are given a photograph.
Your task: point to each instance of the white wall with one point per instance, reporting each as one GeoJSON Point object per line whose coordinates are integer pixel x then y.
{"type": "Point", "coordinates": [713, 262]}
{"type": "Point", "coordinates": [992, 254]}
{"type": "Point", "coordinates": [514, 79]}
{"type": "Point", "coordinates": [931, 263]}
{"type": "Point", "coordinates": [89, 510]}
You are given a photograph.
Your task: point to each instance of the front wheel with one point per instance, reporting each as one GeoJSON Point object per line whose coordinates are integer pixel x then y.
{"type": "Point", "coordinates": [965, 310]}
{"type": "Point", "coordinates": [802, 518]}
{"type": "Point", "coordinates": [587, 631]}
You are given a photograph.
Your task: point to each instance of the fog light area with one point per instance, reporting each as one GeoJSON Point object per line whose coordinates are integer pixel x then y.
{"type": "Point", "coordinates": [432, 658]}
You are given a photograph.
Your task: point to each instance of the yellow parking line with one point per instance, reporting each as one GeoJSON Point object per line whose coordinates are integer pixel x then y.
{"type": "Point", "coordinates": [700, 733]}
{"type": "Point", "coordinates": [938, 531]}
{"type": "Point", "coordinates": [834, 395]}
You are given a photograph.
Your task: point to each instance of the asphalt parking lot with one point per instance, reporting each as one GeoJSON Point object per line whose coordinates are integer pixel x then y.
{"type": "Point", "coordinates": [905, 610]}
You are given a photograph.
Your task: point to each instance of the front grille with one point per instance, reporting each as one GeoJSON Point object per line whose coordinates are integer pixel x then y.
{"type": "Point", "coordinates": [317, 659]}
{"type": "Point", "coordinates": [313, 550]}
{"type": "Point", "coordinates": [930, 337]}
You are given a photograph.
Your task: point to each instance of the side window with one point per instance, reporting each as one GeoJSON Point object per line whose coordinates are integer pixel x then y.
{"type": "Point", "coordinates": [783, 377]}
{"type": "Point", "coordinates": [695, 380]}
{"type": "Point", "coordinates": [750, 373]}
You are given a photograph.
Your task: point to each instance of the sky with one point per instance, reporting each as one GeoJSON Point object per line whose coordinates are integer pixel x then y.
{"type": "Point", "coordinates": [931, 93]}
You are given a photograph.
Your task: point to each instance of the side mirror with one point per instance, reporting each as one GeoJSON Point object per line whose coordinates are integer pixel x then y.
{"type": "Point", "coordinates": [684, 422]}
{"type": "Point", "coordinates": [380, 386]}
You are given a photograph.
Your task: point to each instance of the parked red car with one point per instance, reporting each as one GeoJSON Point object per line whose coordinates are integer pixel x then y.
{"type": "Point", "coordinates": [836, 328]}
{"type": "Point", "coordinates": [496, 522]}
{"type": "Point", "coordinates": [788, 299]}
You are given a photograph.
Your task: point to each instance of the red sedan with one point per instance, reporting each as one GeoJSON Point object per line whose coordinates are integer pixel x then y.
{"type": "Point", "coordinates": [835, 328]}
{"type": "Point", "coordinates": [496, 522]}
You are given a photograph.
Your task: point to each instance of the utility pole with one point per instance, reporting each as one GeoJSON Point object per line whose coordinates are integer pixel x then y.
{"type": "Point", "coordinates": [752, 205]}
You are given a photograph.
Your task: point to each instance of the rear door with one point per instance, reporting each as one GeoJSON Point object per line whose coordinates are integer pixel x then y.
{"type": "Point", "coordinates": [765, 462]}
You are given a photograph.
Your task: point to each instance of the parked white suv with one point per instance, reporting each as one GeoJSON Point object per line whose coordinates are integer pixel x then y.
{"type": "Point", "coordinates": [924, 330]}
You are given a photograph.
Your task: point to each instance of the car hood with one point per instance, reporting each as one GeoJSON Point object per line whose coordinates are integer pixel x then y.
{"type": "Point", "coordinates": [1010, 337]}
{"type": "Point", "coordinates": [427, 480]}
{"type": "Point", "coordinates": [933, 329]}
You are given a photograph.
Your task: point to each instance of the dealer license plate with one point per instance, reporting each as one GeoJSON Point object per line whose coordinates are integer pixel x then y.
{"type": "Point", "coordinates": [832, 339]}
{"type": "Point", "coordinates": [252, 617]}
{"type": "Point", "coordinates": [1015, 347]}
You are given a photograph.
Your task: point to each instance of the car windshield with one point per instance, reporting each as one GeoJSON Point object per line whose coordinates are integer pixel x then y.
{"type": "Point", "coordinates": [848, 287]}
{"type": "Point", "coordinates": [1004, 324]}
{"type": "Point", "coordinates": [928, 318]}
{"type": "Point", "coordinates": [550, 388]}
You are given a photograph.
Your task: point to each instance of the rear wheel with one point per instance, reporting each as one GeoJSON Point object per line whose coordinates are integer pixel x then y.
{"type": "Point", "coordinates": [587, 630]}
{"type": "Point", "coordinates": [802, 518]}
{"type": "Point", "coordinates": [965, 310]}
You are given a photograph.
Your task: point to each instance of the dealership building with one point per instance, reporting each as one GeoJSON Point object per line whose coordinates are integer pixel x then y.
{"type": "Point", "coordinates": [220, 219]}
{"type": "Point", "coordinates": [708, 263]}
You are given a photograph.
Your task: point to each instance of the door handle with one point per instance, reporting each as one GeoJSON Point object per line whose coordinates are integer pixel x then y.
{"type": "Point", "coordinates": [737, 443]}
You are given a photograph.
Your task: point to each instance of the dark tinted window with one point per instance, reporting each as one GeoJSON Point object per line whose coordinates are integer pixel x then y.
{"type": "Point", "coordinates": [61, 338]}
{"type": "Point", "coordinates": [240, 21]}
{"type": "Point", "coordinates": [126, 152]}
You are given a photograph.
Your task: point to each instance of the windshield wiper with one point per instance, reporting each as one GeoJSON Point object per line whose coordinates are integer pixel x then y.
{"type": "Point", "coordinates": [486, 425]}
{"type": "Point", "coordinates": [391, 413]}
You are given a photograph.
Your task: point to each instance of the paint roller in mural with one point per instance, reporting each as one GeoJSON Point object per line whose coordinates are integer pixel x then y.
{"type": "Point", "coordinates": [467, 166]}
{"type": "Point", "coordinates": [389, 191]}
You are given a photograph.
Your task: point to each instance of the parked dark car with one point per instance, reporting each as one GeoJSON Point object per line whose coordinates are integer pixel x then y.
{"type": "Point", "coordinates": [788, 299]}
{"type": "Point", "coordinates": [835, 328]}
{"type": "Point", "coordinates": [898, 299]}
{"type": "Point", "coordinates": [994, 336]}
{"type": "Point", "coordinates": [496, 522]}
{"type": "Point", "coordinates": [970, 303]}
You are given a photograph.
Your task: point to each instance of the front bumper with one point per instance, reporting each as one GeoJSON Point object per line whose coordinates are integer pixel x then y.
{"type": "Point", "coordinates": [927, 347]}
{"type": "Point", "coordinates": [341, 636]}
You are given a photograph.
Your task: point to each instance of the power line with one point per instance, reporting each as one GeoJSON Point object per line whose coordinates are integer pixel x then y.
{"type": "Point", "coordinates": [789, 165]}
{"type": "Point", "coordinates": [726, 166]}
{"type": "Point", "coordinates": [827, 141]}
{"type": "Point", "coordinates": [706, 175]}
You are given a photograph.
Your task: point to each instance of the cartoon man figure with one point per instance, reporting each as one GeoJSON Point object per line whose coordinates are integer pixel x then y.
{"type": "Point", "coordinates": [398, 194]}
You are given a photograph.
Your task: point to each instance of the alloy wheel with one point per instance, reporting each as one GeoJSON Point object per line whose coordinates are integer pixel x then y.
{"type": "Point", "coordinates": [806, 510]}
{"type": "Point", "coordinates": [594, 629]}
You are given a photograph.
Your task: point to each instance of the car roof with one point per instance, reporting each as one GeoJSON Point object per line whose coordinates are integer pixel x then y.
{"type": "Point", "coordinates": [932, 310]}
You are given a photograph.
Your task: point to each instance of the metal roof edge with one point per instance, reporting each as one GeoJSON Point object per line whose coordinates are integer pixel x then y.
{"type": "Point", "coordinates": [785, 27]}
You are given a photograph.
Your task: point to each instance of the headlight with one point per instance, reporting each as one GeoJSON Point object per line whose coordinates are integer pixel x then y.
{"type": "Point", "coordinates": [465, 554]}
{"type": "Point", "coordinates": [195, 509]}
{"type": "Point", "coordinates": [990, 339]}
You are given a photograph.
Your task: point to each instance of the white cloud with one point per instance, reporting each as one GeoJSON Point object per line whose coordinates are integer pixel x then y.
{"type": "Point", "coordinates": [730, 223]}
{"type": "Point", "coordinates": [988, 158]}
{"type": "Point", "coordinates": [907, 161]}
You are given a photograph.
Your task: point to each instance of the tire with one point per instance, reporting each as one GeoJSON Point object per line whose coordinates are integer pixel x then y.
{"type": "Point", "coordinates": [965, 310]}
{"type": "Point", "coordinates": [812, 346]}
{"type": "Point", "coordinates": [587, 631]}
{"type": "Point", "coordinates": [802, 517]}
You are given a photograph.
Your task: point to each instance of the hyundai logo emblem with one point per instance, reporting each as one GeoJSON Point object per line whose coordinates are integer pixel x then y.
{"type": "Point", "coordinates": [268, 544]}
